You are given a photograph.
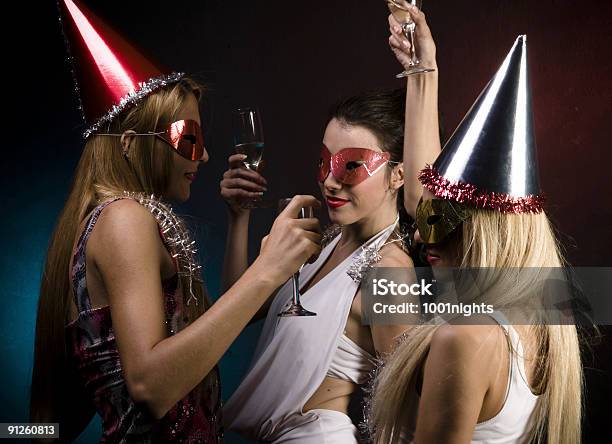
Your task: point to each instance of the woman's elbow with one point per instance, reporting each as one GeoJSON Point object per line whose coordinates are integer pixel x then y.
{"type": "Point", "coordinates": [146, 394]}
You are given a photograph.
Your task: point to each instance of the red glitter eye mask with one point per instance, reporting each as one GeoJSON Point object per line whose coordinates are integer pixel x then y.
{"type": "Point", "coordinates": [351, 166]}
{"type": "Point", "coordinates": [185, 136]}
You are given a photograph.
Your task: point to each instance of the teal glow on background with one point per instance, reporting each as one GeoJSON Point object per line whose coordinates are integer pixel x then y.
{"type": "Point", "coordinates": [29, 215]}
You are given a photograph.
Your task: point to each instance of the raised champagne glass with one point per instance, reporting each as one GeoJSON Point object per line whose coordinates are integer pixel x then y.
{"type": "Point", "coordinates": [249, 140]}
{"type": "Point", "coordinates": [296, 309]}
{"type": "Point", "coordinates": [401, 12]}
{"type": "Point", "coordinates": [248, 136]}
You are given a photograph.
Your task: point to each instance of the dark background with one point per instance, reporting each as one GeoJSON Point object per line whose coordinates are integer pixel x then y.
{"type": "Point", "coordinates": [293, 61]}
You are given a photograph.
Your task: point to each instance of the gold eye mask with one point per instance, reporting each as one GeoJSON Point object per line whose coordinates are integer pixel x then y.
{"type": "Point", "coordinates": [437, 218]}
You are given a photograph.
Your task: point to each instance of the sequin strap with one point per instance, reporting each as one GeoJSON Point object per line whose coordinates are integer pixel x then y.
{"type": "Point", "coordinates": [81, 296]}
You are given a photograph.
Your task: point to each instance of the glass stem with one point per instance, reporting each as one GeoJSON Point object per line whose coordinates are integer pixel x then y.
{"type": "Point", "coordinates": [408, 29]}
{"type": "Point", "coordinates": [296, 288]}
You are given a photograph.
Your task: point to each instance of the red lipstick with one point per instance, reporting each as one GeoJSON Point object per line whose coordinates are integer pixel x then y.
{"type": "Point", "coordinates": [335, 202]}
{"type": "Point", "coordinates": [432, 257]}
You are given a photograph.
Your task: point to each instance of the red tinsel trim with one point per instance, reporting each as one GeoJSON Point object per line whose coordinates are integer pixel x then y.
{"type": "Point", "coordinates": [469, 194]}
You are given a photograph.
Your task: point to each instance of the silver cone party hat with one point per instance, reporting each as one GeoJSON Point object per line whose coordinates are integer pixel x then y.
{"type": "Point", "coordinates": [490, 160]}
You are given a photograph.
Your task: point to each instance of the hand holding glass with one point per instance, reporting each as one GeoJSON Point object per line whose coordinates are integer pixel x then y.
{"type": "Point", "coordinates": [296, 309]}
{"type": "Point", "coordinates": [401, 12]}
{"type": "Point", "coordinates": [249, 140]}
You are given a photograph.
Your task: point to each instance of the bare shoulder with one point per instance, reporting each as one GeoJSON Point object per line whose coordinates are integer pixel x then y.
{"type": "Point", "coordinates": [463, 342]}
{"type": "Point", "coordinates": [126, 212]}
{"type": "Point", "coordinates": [464, 362]}
{"type": "Point", "coordinates": [385, 336]}
{"type": "Point", "coordinates": [125, 224]}
{"type": "Point", "coordinates": [125, 215]}
{"type": "Point", "coordinates": [394, 256]}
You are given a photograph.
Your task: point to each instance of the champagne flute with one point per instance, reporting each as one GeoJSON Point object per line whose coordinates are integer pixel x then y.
{"type": "Point", "coordinates": [401, 12]}
{"type": "Point", "coordinates": [249, 140]}
{"type": "Point", "coordinates": [248, 136]}
{"type": "Point", "coordinates": [296, 309]}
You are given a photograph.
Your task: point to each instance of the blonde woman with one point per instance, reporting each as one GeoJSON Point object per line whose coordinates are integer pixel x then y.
{"type": "Point", "coordinates": [479, 383]}
{"type": "Point", "coordinates": [124, 326]}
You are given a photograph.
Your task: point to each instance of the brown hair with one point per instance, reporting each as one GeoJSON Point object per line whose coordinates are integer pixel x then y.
{"type": "Point", "coordinates": [102, 172]}
{"type": "Point", "coordinates": [383, 113]}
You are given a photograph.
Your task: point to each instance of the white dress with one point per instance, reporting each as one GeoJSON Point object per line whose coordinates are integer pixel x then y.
{"type": "Point", "coordinates": [511, 424]}
{"type": "Point", "coordinates": [294, 355]}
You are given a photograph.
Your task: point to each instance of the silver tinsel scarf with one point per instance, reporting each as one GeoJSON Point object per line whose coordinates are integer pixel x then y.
{"type": "Point", "coordinates": [182, 246]}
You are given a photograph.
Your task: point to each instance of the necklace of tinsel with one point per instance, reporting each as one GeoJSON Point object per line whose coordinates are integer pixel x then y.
{"type": "Point", "coordinates": [369, 253]}
{"type": "Point", "coordinates": [178, 238]}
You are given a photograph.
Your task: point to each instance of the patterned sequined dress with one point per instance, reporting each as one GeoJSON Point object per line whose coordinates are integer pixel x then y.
{"type": "Point", "coordinates": [92, 350]}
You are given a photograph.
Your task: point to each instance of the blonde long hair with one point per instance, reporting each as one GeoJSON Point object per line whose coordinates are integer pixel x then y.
{"type": "Point", "coordinates": [496, 240]}
{"type": "Point", "coordinates": [102, 172]}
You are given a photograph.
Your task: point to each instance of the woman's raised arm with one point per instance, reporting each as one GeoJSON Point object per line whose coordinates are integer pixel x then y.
{"type": "Point", "coordinates": [421, 131]}
{"type": "Point", "coordinates": [237, 187]}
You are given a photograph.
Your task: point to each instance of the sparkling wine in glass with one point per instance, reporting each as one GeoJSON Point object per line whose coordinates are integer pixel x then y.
{"type": "Point", "coordinates": [253, 151]}
{"type": "Point", "coordinates": [249, 140]}
{"type": "Point", "coordinates": [296, 309]}
{"type": "Point", "coordinates": [248, 136]}
{"type": "Point", "coordinates": [401, 12]}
